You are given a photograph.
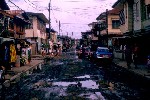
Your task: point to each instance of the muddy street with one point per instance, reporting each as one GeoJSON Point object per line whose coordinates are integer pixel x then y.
{"type": "Point", "coordinates": [70, 78]}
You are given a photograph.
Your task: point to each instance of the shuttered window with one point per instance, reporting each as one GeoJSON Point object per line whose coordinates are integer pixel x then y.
{"type": "Point", "coordinates": [115, 24]}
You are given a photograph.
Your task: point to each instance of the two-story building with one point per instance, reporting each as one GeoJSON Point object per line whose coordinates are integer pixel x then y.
{"type": "Point", "coordinates": [135, 24]}
{"type": "Point", "coordinates": [36, 31]}
{"type": "Point", "coordinates": [18, 24]}
{"type": "Point", "coordinates": [108, 27]}
{"type": "Point", "coordinates": [12, 28]}
{"type": "Point", "coordinates": [141, 25]}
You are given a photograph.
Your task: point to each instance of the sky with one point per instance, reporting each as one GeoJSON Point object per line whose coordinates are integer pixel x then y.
{"type": "Point", "coordinates": [74, 15]}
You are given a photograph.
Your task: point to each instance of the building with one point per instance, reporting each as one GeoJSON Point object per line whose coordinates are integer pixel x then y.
{"type": "Point", "coordinates": [18, 24]}
{"type": "Point", "coordinates": [135, 24]}
{"type": "Point", "coordinates": [86, 38]}
{"type": "Point", "coordinates": [36, 31]}
{"type": "Point", "coordinates": [108, 27]}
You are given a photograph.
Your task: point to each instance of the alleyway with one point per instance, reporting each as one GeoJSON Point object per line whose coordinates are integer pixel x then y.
{"type": "Point", "coordinates": [70, 78]}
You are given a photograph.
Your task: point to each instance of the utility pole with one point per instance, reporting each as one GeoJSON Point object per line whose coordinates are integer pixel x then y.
{"type": "Point", "coordinates": [107, 26]}
{"type": "Point", "coordinates": [50, 19]}
{"type": "Point", "coordinates": [59, 27]}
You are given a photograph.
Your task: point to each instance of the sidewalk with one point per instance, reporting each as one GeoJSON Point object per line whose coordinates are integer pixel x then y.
{"type": "Point", "coordinates": [17, 71]}
{"type": "Point", "coordinates": [141, 70]}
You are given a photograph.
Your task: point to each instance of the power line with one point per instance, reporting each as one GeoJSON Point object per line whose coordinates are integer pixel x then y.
{"type": "Point", "coordinates": [32, 3]}
{"type": "Point", "coordinates": [37, 5]}
{"type": "Point", "coordinates": [74, 23]}
{"type": "Point", "coordinates": [53, 14]}
{"type": "Point", "coordinates": [33, 6]}
{"type": "Point", "coordinates": [15, 5]}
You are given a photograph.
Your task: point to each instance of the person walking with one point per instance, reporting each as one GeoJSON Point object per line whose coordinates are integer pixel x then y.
{"type": "Point", "coordinates": [135, 55]}
{"type": "Point", "coordinates": [128, 55]}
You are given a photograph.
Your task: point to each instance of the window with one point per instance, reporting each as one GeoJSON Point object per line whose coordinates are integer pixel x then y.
{"type": "Point", "coordinates": [29, 26]}
{"type": "Point", "coordinates": [148, 11]}
{"type": "Point", "coordinates": [115, 24]}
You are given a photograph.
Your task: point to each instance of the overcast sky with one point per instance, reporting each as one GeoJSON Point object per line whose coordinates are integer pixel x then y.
{"type": "Point", "coordinates": [74, 15]}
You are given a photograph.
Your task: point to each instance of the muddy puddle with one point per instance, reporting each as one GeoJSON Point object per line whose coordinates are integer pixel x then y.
{"type": "Point", "coordinates": [71, 79]}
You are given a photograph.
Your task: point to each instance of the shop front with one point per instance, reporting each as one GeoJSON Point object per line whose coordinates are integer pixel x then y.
{"type": "Point", "coordinates": [14, 53]}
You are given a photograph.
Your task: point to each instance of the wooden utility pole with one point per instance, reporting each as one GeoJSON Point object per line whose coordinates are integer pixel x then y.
{"type": "Point", "coordinates": [49, 19]}
{"type": "Point", "coordinates": [59, 27]}
{"type": "Point", "coordinates": [107, 26]}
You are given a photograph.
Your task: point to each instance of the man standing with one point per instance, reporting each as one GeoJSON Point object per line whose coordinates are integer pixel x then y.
{"type": "Point", "coordinates": [135, 55]}
{"type": "Point", "coordinates": [128, 55]}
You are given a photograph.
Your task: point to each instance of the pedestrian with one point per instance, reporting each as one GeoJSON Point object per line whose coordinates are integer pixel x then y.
{"type": "Point", "coordinates": [55, 50]}
{"type": "Point", "coordinates": [83, 52]}
{"type": "Point", "coordinates": [128, 56]}
{"type": "Point", "coordinates": [59, 48]}
{"type": "Point", "coordinates": [135, 55]}
{"type": "Point", "coordinates": [43, 52]}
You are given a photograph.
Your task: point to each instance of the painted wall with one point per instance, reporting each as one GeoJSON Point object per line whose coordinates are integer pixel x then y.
{"type": "Point", "coordinates": [137, 20]}
{"type": "Point", "coordinates": [110, 29]}
{"type": "Point", "coordinates": [127, 27]}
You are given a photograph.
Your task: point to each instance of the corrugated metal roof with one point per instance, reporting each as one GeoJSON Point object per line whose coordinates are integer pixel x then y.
{"type": "Point", "coordinates": [39, 15]}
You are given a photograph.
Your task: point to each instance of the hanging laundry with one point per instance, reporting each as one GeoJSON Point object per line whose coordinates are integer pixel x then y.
{"type": "Point", "coordinates": [12, 53]}
{"type": "Point", "coordinates": [6, 58]}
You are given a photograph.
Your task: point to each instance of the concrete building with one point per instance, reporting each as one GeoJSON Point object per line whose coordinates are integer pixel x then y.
{"type": "Point", "coordinates": [135, 18]}
{"type": "Point", "coordinates": [36, 31]}
{"type": "Point", "coordinates": [108, 27]}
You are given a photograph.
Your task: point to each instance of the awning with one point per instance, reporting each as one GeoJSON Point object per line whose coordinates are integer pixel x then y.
{"type": "Point", "coordinates": [121, 37]}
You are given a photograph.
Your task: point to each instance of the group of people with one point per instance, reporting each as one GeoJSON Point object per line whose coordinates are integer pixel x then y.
{"type": "Point", "coordinates": [131, 55]}
{"type": "Point", "coordinates": [55, 49]}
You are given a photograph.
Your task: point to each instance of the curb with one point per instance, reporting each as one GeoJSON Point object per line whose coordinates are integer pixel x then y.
{"type": "Point", "coordinates": [17, 76]}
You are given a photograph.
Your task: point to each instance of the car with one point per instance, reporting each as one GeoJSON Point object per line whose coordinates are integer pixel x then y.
{"type": "Point", "coordinates": [103, 54]}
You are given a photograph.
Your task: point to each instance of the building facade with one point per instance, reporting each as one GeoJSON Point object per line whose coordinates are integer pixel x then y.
{"type": "Point", "coordinates": [135, 18]}
{"type": "Point", "coordinates": [108, 27]}
{"type": "Point", "coordinates": [36, 31]}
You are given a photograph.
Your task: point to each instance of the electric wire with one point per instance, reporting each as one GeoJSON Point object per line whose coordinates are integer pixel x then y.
{"type": "Point", "coordinates": [33, 6]}
{"type": "Point", "coordinates": [15, 5]}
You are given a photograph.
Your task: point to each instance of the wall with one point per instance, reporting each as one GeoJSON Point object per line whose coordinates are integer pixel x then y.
{"type": "Point", "coordinates": [110, 29]}
{"type": "Point", "coordinates": [130, 17]}
{"type": "Point", "coordinates": [137, 21]}
{"type": "Point", "coordinates": [127, 27]}
{"type": "Point", "coordinates": [32, 32]}
{"type": "Point", "coordinates": [29, 33]}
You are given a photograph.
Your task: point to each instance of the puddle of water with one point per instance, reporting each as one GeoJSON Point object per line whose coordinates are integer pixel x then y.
{"type": "Point", "coordinates": [90, 84]}
{"type": "Point", "coordinates": [64, 84]}
{"type": "Point", "coordinates": [86, 84]}
{"type": "Point", "coordinates": [76, 57]}
{"type": "Point", "coordinates": [58, 63]}
{"type": "Point", "coordinates": [85, 76]}
{"type": "Point", "coordinates": [91, 96]}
